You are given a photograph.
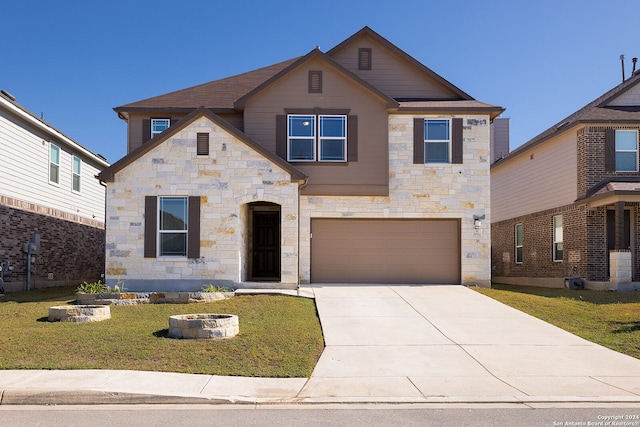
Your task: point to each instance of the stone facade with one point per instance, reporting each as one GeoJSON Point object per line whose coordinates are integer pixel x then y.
{"type": "Point", "coordinates": [231, 177]}
{"type": "Point", "coordinates": [459, 191]}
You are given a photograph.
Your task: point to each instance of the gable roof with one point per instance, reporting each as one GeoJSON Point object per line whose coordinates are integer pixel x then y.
{"type": "Point", "coordinates": [217, 95]}
{"type": "Point", "coordinates": [8, 103]}
{"type": "Point", "coordinates": [366, 31]}
{"type": "Point", "coordinates": [108, 174]}
{"type": "Point", "coordinates": [316, 54]}
{"type": "Point", "coordinates": [598, 111]}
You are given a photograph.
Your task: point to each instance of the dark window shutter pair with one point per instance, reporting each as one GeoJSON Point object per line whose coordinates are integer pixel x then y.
{"type": "Point", "coordinates": [146, 128]}
{"type": "Point", "coordinates": [610, 150]}
{"type": "Point", "coordinates": [352, 137]}
{"type": "Point", "coordinates": [151, 227]}
{"type": "Point", "coordinates": [457, 147]}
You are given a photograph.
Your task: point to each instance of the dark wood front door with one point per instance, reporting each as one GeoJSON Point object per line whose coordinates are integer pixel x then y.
{"type": "Point", "coordinates": [266, 245]}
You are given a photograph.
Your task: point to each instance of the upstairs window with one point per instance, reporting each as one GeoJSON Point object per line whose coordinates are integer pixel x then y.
{"type": "Point", "coordinates": [518, 252]}
{"type": "Point", "coordinates": [437, 141]}
{"type": "Point", "coordinates": [159, 125]}
{"type": "Point", "coordinates": [557, 239]}
{"type": "Point", "coordinates": [54, 164]}
{"type": "Point", "coordinates": [77, 172]}
{"type": "Point", "coordinates": [626, 150]}
{"type": "Point", "coordinates": [316, 138]}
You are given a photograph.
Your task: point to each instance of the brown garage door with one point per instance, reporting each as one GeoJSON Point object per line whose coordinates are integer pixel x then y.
{"type": "Point", "coordinates": [385, 251]}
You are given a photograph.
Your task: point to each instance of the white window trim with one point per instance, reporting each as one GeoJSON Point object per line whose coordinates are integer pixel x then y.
{"type": "Point", "coordinates": [160, 231]}
{"type": "Point", "coordinates": [311, 138]}
{"type": "Point", "coordinates": [74, 174]}
{"type": "Point", "coordinates": [627, 151]}
{"type": "Point", "coordinates": [153, 134]}
{"type": "Point", "coordinates": [554, 238]}
{"type": "Point", "coordinates": [51, 146]}
{"type": "Point", "coordinates": [448, 141]}
{"type": "Point", "coordinates": [521, 246]}
{"type": "Point", "coordinates": [332, 138]}
{"type": "Point", "coordinates": [317, 138]}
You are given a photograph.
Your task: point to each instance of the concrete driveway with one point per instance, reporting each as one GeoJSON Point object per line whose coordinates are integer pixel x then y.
{"type": "Point", "coordinates": [450, 342]}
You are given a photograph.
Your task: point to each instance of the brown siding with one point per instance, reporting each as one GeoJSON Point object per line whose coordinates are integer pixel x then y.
{"type": "Point", "coordinates": [367, 175]}
{"type": "Point", "coordinates": [394, 76]}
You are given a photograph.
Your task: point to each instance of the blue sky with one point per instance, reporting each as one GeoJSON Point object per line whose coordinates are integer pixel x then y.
{"type": "Point", "coordinates": [75, 60]}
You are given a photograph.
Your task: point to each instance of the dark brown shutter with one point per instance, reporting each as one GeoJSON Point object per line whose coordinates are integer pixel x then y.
{"type": "Point", "coordinates": [352, 138]}
{"type": "Point", "coordinates": [456, 141]}
{"type": "Point", "coordinates": [418, 141]}
{"type": "Point", "coordinates": [172, 122]}
{"type": "Point", "coordinates": [146, 130]}
{"type": "Point", "coordinates": [150, 226]}
{"type": "Point", "coordinates": [193, 232]}
{"type": "Point", "coordinates": [610, 150]}
{"type": "Point", "coordinates": [315, 81]}
{"type": "Point", "coordinates": [202, 143]}
{"type": "Point", "coordinates": [281, 136]}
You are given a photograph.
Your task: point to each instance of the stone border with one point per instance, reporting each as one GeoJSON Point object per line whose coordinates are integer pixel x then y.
{"type": "Point", "coordinates": [132, 298]}
{"type": "Point", "coordinates": [205, 325]}
{"type": "Point", "coordinates": [79, 313]}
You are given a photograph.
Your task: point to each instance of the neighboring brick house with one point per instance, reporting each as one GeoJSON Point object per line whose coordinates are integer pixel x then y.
{"type": "Point", "coordinates": [567, 203]}
{"type": "Point", "coordinates": [358, 165]}
{"type": "Point", "coordinates": [48, 189]}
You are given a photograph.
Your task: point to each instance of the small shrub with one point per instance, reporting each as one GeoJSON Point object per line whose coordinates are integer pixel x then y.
{"type": "Point", "coordinates": [213, 288]}
{"type": "Point", "coordinates": [93, 288]}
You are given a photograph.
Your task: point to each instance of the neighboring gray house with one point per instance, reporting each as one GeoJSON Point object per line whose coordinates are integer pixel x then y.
{"type": "Point", "coordinates": [48, 187]}
{"type": "Point", "coordinates": [566, 205]}
{"type": "Point", "coordinates": [356, 165]}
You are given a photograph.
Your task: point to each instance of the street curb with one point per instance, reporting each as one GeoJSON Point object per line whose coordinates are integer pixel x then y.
{"type": "Point", "coordinates": [96, 397]}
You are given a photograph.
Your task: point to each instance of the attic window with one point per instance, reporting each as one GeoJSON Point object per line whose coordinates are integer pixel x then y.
{"type": "Point", "coordinates": [202, 142]}
{"type": "Point", "coordinates": [364, 58]}
{"type": "Point", "coordinates": [315, 81]}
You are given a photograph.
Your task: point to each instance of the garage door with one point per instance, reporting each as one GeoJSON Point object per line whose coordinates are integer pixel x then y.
{"type": "Point", "coordinates": [385, 251]}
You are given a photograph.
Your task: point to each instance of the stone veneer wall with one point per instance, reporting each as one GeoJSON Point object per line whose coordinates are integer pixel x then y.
{"type": "Point", "coordinates": [422, 191]}
{"type": "Point", "coordinates": [71, 247]}
{"type": "Point", "coordinates": [226, 180]}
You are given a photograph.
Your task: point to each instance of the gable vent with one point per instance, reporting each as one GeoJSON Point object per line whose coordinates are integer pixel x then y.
{"type": "Point", "coordinates": [202, 143]}
{"type": "Point", "coordinates": [364, 58]}
{"type": "Point", "coordinates": [315, 81]}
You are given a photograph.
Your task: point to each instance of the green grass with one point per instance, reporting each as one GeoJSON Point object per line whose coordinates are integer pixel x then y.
{"type": "Point", "coordinates": [280, 336]}
{"type": "Point", "coordinates": [611, 319]}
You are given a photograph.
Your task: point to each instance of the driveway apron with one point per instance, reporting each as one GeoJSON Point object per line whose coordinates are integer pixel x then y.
{"type": "Point", "coordinates": [450, 341]}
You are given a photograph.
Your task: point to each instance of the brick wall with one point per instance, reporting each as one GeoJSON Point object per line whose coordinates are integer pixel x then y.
{"type": "Point", "coordinates": [72, 251]}
{"type": "Point", "coordinates": [537, 245]}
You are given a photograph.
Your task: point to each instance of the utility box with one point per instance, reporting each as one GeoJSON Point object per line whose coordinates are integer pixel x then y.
{"type": "Point", "coordinates": [574, 283]}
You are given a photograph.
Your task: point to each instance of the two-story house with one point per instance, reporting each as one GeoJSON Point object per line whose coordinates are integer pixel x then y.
{"type": "Point", "coordinates": [356, 165]}
{"type": "Point", "coordinates": [49, 196]}
{"type": "Point", "coordinates": [566, 203]}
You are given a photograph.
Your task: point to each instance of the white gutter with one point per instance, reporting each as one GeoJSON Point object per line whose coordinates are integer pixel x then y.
{"type": "Point", "coordinates": [51, 130]}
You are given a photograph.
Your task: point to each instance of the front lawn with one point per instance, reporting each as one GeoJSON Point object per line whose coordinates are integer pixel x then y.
{"type": "Point", "coordinates": [280, 336]}
{"type": "Point", "coordinates": [611, 319]}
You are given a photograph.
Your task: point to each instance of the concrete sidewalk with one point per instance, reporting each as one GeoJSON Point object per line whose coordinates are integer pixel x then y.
{"type": "Point", "coordinates": [393, 344]}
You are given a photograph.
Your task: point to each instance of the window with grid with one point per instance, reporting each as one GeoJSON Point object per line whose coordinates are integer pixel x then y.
{"type": "Point", "coordinates": [437, 141]}
{"type": "Point", "coordinates": [626, 150]}
{"type": "Point", "coordinates": [159, 126]}
{"type": "Point", "coordinates": [317, 138]}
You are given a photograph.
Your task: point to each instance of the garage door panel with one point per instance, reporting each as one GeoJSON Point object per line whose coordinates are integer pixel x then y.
{"type": "Point", "coordinates": [385, 251]}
